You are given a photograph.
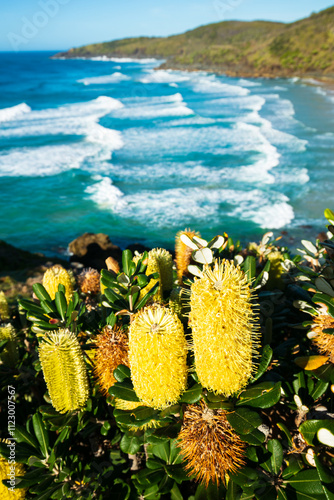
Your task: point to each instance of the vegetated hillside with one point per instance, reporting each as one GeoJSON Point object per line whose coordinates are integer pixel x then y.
{"type": "Point", "coordinates": [258, 48]}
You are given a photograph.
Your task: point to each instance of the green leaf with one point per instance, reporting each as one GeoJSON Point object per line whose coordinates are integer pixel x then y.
{"type": "Point", "coordinates": [130, 444]}
{"type": "Point", "coordinates": [124, 390]}
{"type": "Point", "coordinates": [126, 261]}
{"type": "Point", "coordinates": [320, 388]}
{"type": "Point", "coordinates": [329, 215]}
{"type": "Point", "coordinates": [244, 420]}
{"type": "Point", "coordinates": [142, 280]}
{"type": "Point", "coordinates": [40, 292]}
{"type": "Point", "coordinates": [276, 459]}
{"type": "Point", "coordinates": [263, 395]}
{"type": "Point", "coordinates": [147, 477]}
{"type": "Point", "coordinates": [306, 481]}
{"type": "Point", "coordinates": [31, 307]}
{"type": "Point", "coordinates": [326, 477]}
{"type": "Point", "coordinates": [61, 304]}
{"type": "Point", "coordinates": [48, 307]}
{"type": "Point", "coordinates": [255, 437]}
{"type": "Point", "coordinates": [41, 433]}
{"type": "Point", "coordinates": [212, 492]}
{"type": "Point", "coordinates": [23, 436]}
{"type": "Point", "coordinates": [321, 298]}
{"type": "Point", "coordinates": [266, 357]}
{"type": "Point", "coordinates": [286, 431]}
{"type": "Point", "coordinates": [310, 428]}
{"type": "Point", "coordinates": [192, 395]}
{"type": "Point", "coordinates": [121, 373]}
{"type": "Point", "coordinates": [249, 268]}
{"type": "Point", "coordinates": [244, 476]}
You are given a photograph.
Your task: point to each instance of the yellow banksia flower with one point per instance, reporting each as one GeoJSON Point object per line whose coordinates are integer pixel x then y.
{"type": "Point", "coordinates": [179, 301]}
{"type": "Point", "coordinates": [183, 253]}
{"type": "Point", "coordinates": [4, 309]}
{"type": "Point", "coordinates": [89, 281]}
{"type": "Point", "coordinates": [6, 474]}
{"type": "Point", "coordinates": [64, 370]}
{"type": "Point", "coordinates": [159, 261]}
{"type": "Point", "coordinates": [225, 336]}
{"type": "Point", "coordinates": [55, 276]}
{"type": "Point", "coordinates": [209, 444]}
{"type": "Point", "coordinates": [276, 270]}
{"type": "Point", "coordinates": [9, 355]}
{"type": "Point", "coordinates": [158, 356]}
{"type": "Point", "coordinates": [324, 341]}
{"type": "Point", "coordinates": [112, 350]}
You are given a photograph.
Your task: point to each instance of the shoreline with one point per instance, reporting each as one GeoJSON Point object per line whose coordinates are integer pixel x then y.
{"type": "Point", "coordinates": [326, 80]}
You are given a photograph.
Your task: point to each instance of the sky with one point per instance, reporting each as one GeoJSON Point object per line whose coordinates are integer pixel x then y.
{"type": "Point", "coordinates": [62, 24]}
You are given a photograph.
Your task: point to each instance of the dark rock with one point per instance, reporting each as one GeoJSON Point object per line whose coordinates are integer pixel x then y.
{"type": "Point", "coordinates": [138, 247]}
{"type": "Point", "coordinates": [92, 250]}
{"type": "Point", "coordinates": [12, 258]}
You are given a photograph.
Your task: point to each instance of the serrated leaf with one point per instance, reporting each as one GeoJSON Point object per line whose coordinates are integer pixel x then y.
{"type": "Point", "coordinates": [310, 428]}
{"type": "Point", "coordinates": [244, 420]}
{"type": "Point", "coordinates": [130, 444]}
{"type": "Point", "coordinates": [263, 395]}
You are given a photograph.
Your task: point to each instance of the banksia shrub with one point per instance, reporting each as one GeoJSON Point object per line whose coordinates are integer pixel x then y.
{"type": "Point", "coordinates": [89, 281]}
{"type": "Point", "coordinates": [209, 445]}
{"type": "Point", "coordinates": [9, 355]}
{"type": "Point", "coordinates": [55, 276]}
{"type": "Point", "coordinates": [64, 370]}
{"type": "Point", "coordinates": [183, 253]}
{"type": "Point", "coordinates": [158, 356]}
{"type": "Point", "coordinates": [5, 475]}
{"type": "Point", "coordinates": [112, 350]}
{"type": "Point", "coordinates": [223, 327]}
{"type": "Point", "coordinates": [323, 341]}
{"type": "Point", "coordinates": [4, 309]}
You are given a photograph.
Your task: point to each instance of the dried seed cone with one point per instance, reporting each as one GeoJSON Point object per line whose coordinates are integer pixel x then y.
{"type": "Point", "coordinates": [209, 444]}
{"type": "Point", "coordinates": [55, 276]}
{"type": "Point", "coordinates": [324, 341]}
{"type": "Point", "coordinates": [158, 356]}
{"type": "Point", "coordinates": [64, 370]}
{"type": "Point", "coordinates": [89, 281]}
{"type": "Point", "coordinates": [112, 350]}
{"type": "Point", "coordinates": [4, 309]}
{"type": "Point", "coordinates": [183, 253]}
{"type": "Point", "coordinates": [9, 355]}
{"type": "Point", "coordinates": [223, 326]}
{"type": "Point", "coordinates": [5, 471]}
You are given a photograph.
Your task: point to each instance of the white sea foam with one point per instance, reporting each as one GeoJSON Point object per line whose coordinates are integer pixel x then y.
{"type": "Point", "coordinates": [248, 83]}
{"type": "Point", "coordinates": [144, 60]}
{"type": "Point", "coordinates": [106, 195]}
{"type": "Point", "coordinates": [79, 119]}
{"type": "Point", "coordinates": [116, 77]}
{"type": "Point", "coordinates": [154, 107]}
{"type": "Point", "coordinates": [165, 76]}
{"type": "Point", "coordinates": [171, 207]}
{"type": "Point", "coordinates": [213, 85]}
{"type": "Point", "coordinates": [8, 114]}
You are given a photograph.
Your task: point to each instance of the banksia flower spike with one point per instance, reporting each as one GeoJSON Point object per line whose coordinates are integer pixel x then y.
{"type": "Point", "coordinates": [6, 475]}
{"type": "Point", "coordinates": [183, 253]}
{"type": "Point", "coordinates": [323, 341]}
{"type": "Point", "coordinates": [209, 444]}
{"type": "Point", "coordinates": [64, 370]}
{"type": "Point", "coordinates": [158, 356]}
{"type": "Point", "coordinates": [112, 350]}
{"type": "Point", "coordinates": [4, 309]}
{"type": "Point", "coordinates": [89, 281]}
{"type": "Point", "coordinates": [55, 276]}
{"type": "Point", "coordinates": [9, 355]}
{"type": "Point", "coordinates": [224, 333]}
{"type": "Point", "coordinates": [159, 261]}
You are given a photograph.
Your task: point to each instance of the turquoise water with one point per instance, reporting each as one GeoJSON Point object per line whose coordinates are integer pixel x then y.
{"type": "Point", "coordinates": [114, 146]}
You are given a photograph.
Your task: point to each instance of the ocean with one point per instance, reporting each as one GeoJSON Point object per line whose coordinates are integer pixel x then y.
{"type": "Point", "coordinates": [115, 146]}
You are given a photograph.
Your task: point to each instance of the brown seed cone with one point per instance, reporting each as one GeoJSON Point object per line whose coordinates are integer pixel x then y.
{"type": "Point", "coordinates": [324, 341]}
{"type": "Point", "coordinates": [209, 444]}
{"type": "Point", "coordinates": [183, 253]}
{"type": "Point", "coordinates": [112, 350]}
{"type": "Point", "coordinates": [89, 281]}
